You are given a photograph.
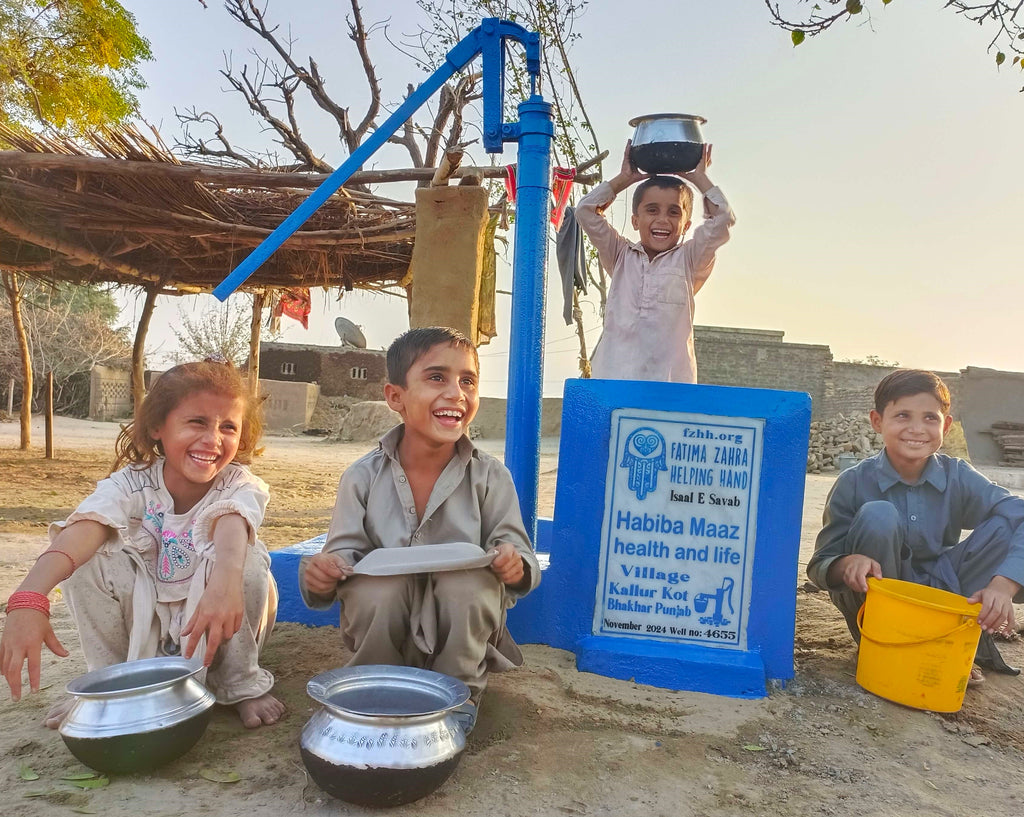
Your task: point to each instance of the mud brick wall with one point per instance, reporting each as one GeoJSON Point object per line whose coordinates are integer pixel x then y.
{"type": "Point", "coordinates": [329, 366]}
{"type": "Point", "coordinates": [758, 358]}
{"type": "Point", "coordinates": [854, 388]}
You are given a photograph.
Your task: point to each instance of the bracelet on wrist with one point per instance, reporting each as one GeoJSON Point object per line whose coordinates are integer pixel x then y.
{"type": "Point", "coordinates": [29, 600]}
{"type": "Point", "coordinates": [64, 553]}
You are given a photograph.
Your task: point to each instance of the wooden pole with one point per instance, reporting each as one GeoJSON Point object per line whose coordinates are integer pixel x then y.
{"type": "Point", "coordinates": [258, 299]}
{"type": "Point", "coordinates": [14, 296]}
{"type": "Point", "coordinates": [139, 348]}
{"type": "Point", "coordinates": [10, 397]}
{"type": "Point", "coordinates": [49, 415]}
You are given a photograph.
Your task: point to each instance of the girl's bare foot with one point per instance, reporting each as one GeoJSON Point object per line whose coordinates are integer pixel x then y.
{"type": "Point", "coordinates": [262, 711]}
{"type": "Point", "coordinates": [58, 712]}
{"type": "Point", "coordinates": [977, 677]}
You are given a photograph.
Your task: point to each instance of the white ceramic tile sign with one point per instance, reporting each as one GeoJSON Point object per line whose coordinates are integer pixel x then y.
{"type": "Point", "coordinates": [677, 543]}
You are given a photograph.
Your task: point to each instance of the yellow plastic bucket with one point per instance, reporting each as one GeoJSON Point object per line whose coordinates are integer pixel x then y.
{"type": "Point", "coordinates": [917, 644]}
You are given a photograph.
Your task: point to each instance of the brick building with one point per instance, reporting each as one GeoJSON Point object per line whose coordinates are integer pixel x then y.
{"type": "Point", "coordinates": [338, 370]}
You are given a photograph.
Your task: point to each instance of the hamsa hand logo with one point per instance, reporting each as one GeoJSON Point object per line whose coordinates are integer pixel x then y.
{"type": "Point", "coordinates": [644, 456]}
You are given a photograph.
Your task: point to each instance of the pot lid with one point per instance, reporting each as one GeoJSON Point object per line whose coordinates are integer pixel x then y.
{"type": "Point", "coordinates": [377, 690]}
{"type": "Point", "coordinates": [636, 120]}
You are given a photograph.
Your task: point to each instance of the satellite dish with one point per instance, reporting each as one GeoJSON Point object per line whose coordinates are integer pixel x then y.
{"type": "Point", "coordinates": [349, 333]}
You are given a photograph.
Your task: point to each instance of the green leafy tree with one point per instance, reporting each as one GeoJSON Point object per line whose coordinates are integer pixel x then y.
{"type": "Point", "coordinates": [72, 64]}
{"type": "Point", "coordinates": [1004, 19]}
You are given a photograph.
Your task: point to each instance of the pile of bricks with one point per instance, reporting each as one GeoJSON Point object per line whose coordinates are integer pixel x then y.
{"type": "Point", "coordinates": [840, 435]}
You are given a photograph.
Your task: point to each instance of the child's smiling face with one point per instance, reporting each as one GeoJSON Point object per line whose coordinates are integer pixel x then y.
{"type": "Point", "coordinates": [199, 437]}
{"type": "Point", "coordinates": [912, 429]}
{"type": "Point", "coordinates": [661, 219]}
{"type": "Point", "coordinates": [440, 396]}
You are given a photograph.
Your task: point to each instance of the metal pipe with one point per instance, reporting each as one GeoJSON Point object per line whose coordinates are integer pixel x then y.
{"type": "Point", "coordinates": [526, 337]}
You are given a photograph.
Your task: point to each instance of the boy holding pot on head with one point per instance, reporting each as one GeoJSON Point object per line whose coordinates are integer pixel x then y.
{"type": "Point", "coordinates": [900, 513]}
{"type": "Point", "coordinates": [648, 322]}
{"type": "Point", "coordinates": [426, 483]}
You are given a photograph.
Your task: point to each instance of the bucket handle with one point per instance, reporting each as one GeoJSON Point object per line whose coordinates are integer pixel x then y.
{"type": "Point", "coordinates": [860, 626]}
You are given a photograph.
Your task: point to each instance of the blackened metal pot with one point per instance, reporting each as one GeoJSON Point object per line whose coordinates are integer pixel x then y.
{"type": "Point", "coordinates": [138, 715]}
{"type": "Point", "coordinates": [385, 735]}
{"type": "Point", "coordinates": [667, 142]}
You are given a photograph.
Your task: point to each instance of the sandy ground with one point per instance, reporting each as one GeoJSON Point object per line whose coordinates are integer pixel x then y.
{"type": "Point", "coordinates": [550, 740]}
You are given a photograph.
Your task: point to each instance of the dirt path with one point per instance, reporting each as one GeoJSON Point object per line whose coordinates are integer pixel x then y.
{"type": "Point", "coordinates": [550, 740]}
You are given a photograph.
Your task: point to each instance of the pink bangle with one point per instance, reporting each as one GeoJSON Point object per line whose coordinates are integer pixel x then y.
{"type": "Point", "coordinates": [70, 558]}
{"type": "Point", "coordinates": [29, 600]}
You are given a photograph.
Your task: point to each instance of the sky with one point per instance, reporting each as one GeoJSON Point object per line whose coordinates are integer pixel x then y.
{"type": "Point", "coordinates": [874, 170]}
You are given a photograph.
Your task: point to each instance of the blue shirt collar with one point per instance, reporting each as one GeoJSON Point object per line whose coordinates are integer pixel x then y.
{"type": "Point", "coordinates": [933, 473]}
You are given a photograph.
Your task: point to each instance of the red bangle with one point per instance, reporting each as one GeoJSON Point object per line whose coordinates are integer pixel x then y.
{"type": "Point", "coordinates": [28, 600]}
{"type": "Point", "coordinates": [70, 558]}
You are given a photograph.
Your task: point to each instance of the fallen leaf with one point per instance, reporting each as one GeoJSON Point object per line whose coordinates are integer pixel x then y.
{"type": "Point", "coordinates": [39, 792]}
{"type": "Point", "coordinates": [83, 810]}
{"type": "Point", "coordinates": [220, 777]}
{"type": "Point", "coordinates": [929, 782]}
{"type": "Point", "coordinates": [94, 783]}
{"type": "Point", "coordinates": [71, 776]}
{"type": "Point", "coordinates": [753, 747]}
{"type": "Point", "coordinates": [27, 773]}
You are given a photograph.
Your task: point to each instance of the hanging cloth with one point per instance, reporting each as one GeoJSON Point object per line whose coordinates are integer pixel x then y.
{"type": "Point", "coordinates": [296, 304]}
{"type": "Point", "coordinates": [572, 261]}
{"type": "Point", "coordinates": [561, 188]}
{"type": "Point", "coordinates": [510, 182]}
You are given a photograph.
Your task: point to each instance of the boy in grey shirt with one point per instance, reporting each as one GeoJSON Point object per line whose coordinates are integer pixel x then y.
{"type": "Point", "coordinates": [899, 515]}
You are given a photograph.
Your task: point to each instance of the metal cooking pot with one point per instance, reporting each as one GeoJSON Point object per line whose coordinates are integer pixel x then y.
{"type": "Point", "coordinates": [385, 735]}
{"type": "Point", "coordinates": [667, 142]}
{"type": "Point", "coordinates": [138, 715]}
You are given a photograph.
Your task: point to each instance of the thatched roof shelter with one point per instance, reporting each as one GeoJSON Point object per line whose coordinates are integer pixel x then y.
{"type": "Point", "coordinates": [120, 208]}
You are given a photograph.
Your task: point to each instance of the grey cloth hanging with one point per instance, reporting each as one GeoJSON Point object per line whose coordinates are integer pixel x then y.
{"type": "Point", "coordinates": [572, 260]}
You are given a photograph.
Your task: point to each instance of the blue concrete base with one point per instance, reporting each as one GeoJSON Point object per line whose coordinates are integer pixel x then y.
{"type": "Point", "coordinates": [284, 565]}
{"type": "Point", "coordinates": [736, 674]}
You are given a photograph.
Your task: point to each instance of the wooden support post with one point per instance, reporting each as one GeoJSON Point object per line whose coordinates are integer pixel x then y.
{"type": "Point", "coordinates": [258, 299]}
{"type": "Point", "coordinates": [49, 415]}
{"type": "Point", "coordinates": [14, 296]}
{"type": "Point", "coordinates": [139, 348]}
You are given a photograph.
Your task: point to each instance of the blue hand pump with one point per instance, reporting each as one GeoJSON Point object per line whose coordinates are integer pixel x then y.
{"type": "Point", "coordinates": [534, 132]}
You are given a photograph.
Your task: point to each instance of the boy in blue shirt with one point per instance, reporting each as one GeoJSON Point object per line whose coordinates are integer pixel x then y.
{"type": "Point", "coordinates": [899, 515]}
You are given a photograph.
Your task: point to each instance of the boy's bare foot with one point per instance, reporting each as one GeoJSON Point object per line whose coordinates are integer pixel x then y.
{"type": "Point", "coordinates": [977, 677]}
{"type": "Point", "coordinates": [58, 712]}
{"type": "Point", "coordinates": [262, 711]}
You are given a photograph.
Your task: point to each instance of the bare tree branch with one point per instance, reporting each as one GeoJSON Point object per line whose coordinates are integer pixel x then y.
{"type": "Point", "coordinates": [1008, 28]}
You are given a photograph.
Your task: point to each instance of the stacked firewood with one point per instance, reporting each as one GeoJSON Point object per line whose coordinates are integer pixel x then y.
{"type": "Point", "coordinates": [1010, 439]}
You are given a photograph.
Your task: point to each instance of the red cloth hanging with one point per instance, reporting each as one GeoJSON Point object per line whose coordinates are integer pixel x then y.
{"type": "Point", "coordinates": [561, 187]}
{"type": "Point", "coordinates": [296, 304]}
{"type": "Point", "coordinates": [510, 182]}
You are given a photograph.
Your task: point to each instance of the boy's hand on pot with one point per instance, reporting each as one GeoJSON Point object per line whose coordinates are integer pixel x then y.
{"type": "Point", "coordinates": [698, 177]}
{"type": "Point", "coordinates": [508, 564]}
{"type": "Point", "coordinates": [218, 615]}
{"type": "Point", "coordinates": [629, 173]}
{"type": "Point", "coordinates": [324, 571]}
{"type": "Point", "coordinates": [996, 604]}
{"type": "Point", "coordinates": [854, 570]}
{"type": "Point", "coordinates": [25, 632]}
